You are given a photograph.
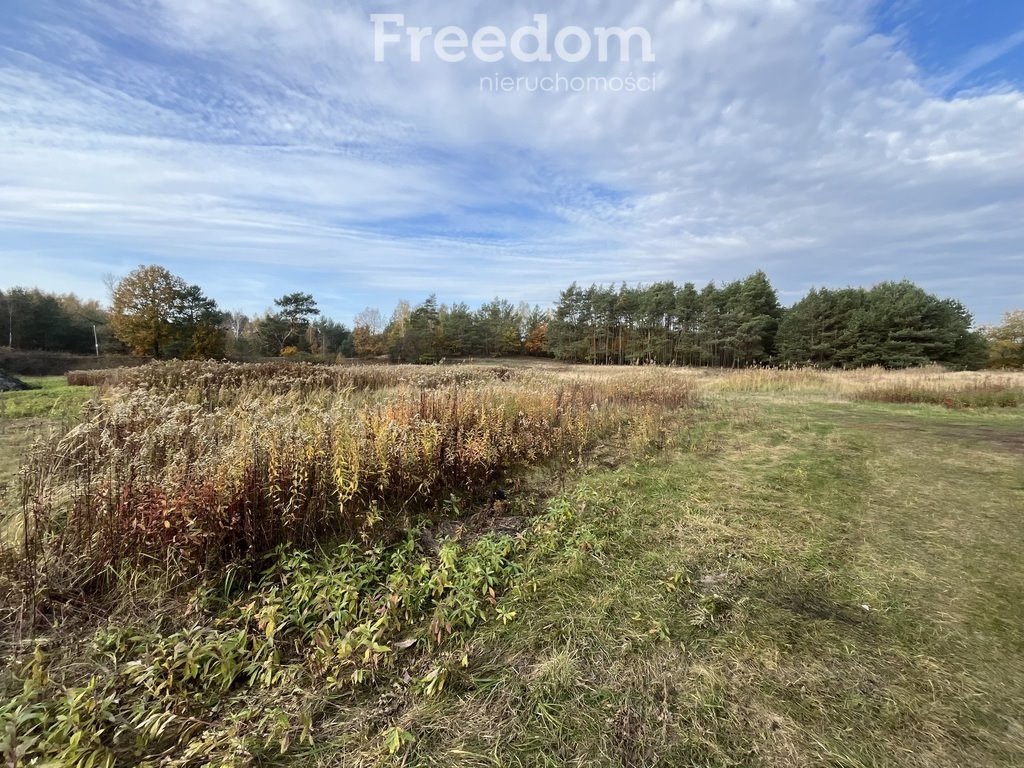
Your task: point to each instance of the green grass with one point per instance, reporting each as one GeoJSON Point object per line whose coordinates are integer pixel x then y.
{"type": "Point", "coordinates": [50, 398]}
{"type": "Point", "coordinates": [815, 585]}
{"type": "Point", "coordinates": [789, 583]}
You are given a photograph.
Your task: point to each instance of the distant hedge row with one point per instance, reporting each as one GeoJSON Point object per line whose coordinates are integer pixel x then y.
{"type": "Point", "coordinates": [22, 363]}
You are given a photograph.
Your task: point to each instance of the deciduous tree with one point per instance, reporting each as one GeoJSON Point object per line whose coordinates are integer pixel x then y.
{"type": "Point", "coordinates": [144, 309]}
{"type": "Point", "coordinates": [1006, 341]}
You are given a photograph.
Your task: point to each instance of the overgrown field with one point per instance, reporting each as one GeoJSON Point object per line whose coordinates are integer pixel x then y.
{"type": "Point", "coordinates": [297, 565]}
{"type": "Point", "coordinates": [199, 466]}
{"type": "Point", "coordinates": [969, 389]}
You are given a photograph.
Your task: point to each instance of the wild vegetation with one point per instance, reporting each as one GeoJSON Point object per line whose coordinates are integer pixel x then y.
{"type": "Point", "coordinates": [234, 475]}
{"type": "Point", "coordinates": [244, 459]}
{"type": "Point", "coordinates": [225, 380]}
{"type": "Point", "coordinates": [476, 565]}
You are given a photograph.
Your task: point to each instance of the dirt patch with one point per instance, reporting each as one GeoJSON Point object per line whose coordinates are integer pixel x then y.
{"type": "Point", "coordinates": [1004, 439]}
{"type": "Point", "coordinates": [1008, 439]}
{"type": "Point", "coordinates": [494, 519]}
{"type": "Point", "coordinates": [814, 606]}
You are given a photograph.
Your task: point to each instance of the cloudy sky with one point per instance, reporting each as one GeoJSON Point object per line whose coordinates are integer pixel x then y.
{"type": "Point", "coordinates": [256, 147]}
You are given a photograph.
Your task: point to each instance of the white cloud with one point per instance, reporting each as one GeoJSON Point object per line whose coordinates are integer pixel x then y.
{"type": "Point", "coordinates": [785, 134]}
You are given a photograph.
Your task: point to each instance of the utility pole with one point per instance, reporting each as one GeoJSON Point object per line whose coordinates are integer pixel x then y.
{"type": "Point", "coordinates": [323, 342]}
{"type": "Point", "coordinates": [96, 339]}
{"type": "Point", "coordinates": [10, 320]}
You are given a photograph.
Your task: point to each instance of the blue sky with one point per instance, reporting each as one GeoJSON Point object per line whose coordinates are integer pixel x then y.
{"type": "Point", "coordinates": [255, 147]}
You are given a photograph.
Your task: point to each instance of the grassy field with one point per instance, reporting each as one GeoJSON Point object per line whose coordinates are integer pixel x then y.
{"type": "Point", "coordinates": [794, 574]}
{"type": "Point", "coordinates": [790, 584]}
{"type": "Point", "coordinates": [50, 397]}
{"type": "Point", "coordinates": [26, 415]}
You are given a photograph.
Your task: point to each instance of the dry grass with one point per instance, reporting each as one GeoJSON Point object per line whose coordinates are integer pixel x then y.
{"type": "Point", "coordinates": [199, 465]}
{"type": "Point", "coordinates": [181, 473]}
{"type": "Point", "coordinates": [25, 417]}
{"type": "Point", "coordinates": [925, 385]}
{"type": "Point", "coordinates": [217, 381]}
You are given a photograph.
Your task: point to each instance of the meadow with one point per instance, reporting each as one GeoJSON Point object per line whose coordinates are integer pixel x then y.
{"type": "Point", "coordinates": [289, 564]}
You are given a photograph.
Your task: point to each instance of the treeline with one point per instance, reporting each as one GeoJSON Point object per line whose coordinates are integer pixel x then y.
{"type": "Point", "coordinates": [1006, 341]}
{"type": "Point", "coordinates": [33, 320]}
{"type": "Point", "coordinates": [285, 331]}
{"type": "Point", "coordinates": [154, 313]}
{"type": "Point", "coordinates": [735, 324]}
{"type": "Point", "coordinates": [741, 323]}
{"type": "Point", "coordinates": [894, 324]}
{"type": "Point", "coordinates": [431, 331]}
